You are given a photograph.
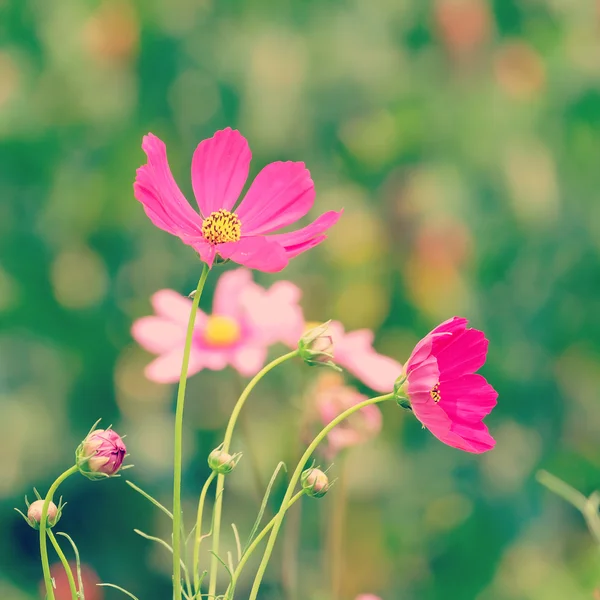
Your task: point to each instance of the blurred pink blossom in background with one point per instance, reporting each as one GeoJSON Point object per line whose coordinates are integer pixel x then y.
{"type": "Point", "coordinates": [282, 193]}
{"type": "Point", "coordinates": [367, 597]}
{"type": "Point", "coordinates": [332, 398]}
{"type": "Point", "coordinates": [445, 394]}
{"type": "Point", "coordinates": [246, 319]}
{"type": "Point", "coordinates": [89, 579]}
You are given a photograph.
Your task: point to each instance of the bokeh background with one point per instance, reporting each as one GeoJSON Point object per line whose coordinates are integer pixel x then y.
{"type": "Point", "coordinates": [462, 139]}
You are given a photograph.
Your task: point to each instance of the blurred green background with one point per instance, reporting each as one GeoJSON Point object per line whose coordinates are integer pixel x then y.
{"type": "Point", "coordinates": [462, 139]}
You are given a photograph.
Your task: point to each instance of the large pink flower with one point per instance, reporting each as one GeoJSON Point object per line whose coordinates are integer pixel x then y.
{"type": "Point", "coordinates": [282, 193]}
{"type": "Point", "coordinates": [445, 393]}
{"type": "Point", "coordinates": [246, 319]}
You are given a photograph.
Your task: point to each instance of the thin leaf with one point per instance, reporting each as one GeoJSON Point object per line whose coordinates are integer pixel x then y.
{"type": "Point", "coordinates": [149, 497]}
{"type": "Point", "coordinates": [237, 542]}
{"type": "Point", "coordinates": [263, 505]}
{"type": "Point", "coordinates": [77, 563]}
{"type": "Point", "coordinates": [116, 587]}
{"type": "Point", "coordinates": [229, 571]}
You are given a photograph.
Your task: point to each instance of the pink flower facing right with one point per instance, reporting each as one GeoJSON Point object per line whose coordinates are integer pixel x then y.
{"type": "Point", "coordinates": [282, 193]}
{"type": "Point", "coordinates": [444, 392]}
{"type": "Point", "coordinates": [245, 321]}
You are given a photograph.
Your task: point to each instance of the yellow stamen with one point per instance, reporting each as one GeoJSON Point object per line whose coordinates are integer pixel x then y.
{"type": "Point", "coordinates": [222, 226]}
{"type": "Point", "coordinates": [221, 331]}
{"type": "Point", "coordinates": [435, 393]}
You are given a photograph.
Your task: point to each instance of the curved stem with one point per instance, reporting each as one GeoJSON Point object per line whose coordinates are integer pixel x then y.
{"type": "Point", "coordinates": [259, 538]}
{"type": "Point", "coordinates": [65, 564]}
{"type": "Point", "coordinates": [198, 534]}
{"type": "Point", "coordinates": [214, 563]}
{"type": "Point", "coordinates": [179, 436]}
{"type": "Point", "coordinates": [43, 530]}
{"type": "Point", "coordinates": [294, 480]}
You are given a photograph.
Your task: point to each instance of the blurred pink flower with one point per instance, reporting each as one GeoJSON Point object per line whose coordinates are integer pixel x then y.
{"type": "Point", "coordinates": [332, 398]}
{"type": "Point", "coordinates": [367, 597]}
{"type": "Point", "coordinates": [354, 352]}
{"type": "Point", "coordinates": [445, 394]}
{"type": "Point", "coordinates": [246, 319]}
{"type": "Point", "coordinates": [282, 193]}
{"type": "Point", "coordinates": [89, 578]}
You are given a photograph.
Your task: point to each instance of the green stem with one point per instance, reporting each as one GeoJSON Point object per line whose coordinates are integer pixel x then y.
{"type": "Point", "coordinates": [294, 480]}
{"type": "Point", "coordinates": [214, 563]}
{"type": "Point", "coordinates": [179, 436]}
{"type": "Point", "coordinates": [43, 530]}
{"type": "Point", "coordinates": [65, 564]}
{"type": "Point", "coordinates": [198, 534]}
{"type": "Point", "coordinates": [259, 538]}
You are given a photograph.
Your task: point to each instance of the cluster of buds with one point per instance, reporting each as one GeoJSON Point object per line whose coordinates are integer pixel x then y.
{"type": "Point", "coordinates": [222, 462]}
{"type": "Point", "coordinates": [34, 512]}
{"type": "Point", "coordinates": [315, 482]}
{"type": "Point", "coordinates": [316, 347]}
{"type": "Point", "coordinates": [101, 454]}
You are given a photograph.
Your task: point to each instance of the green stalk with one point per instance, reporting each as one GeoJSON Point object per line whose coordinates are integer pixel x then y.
{"type": "Point", "coordinates": [259, 538]}
{"type": "Point", "coordinates": [43, 530]}
{"type": "Point", "coordinates": [65, 564]}
{"type": "Point", "coordinates": [198, 533]}
{"type": "Point", "coordinates": [214, 563]}
{"type": "Point", "coordinates": [294, 480]}
{"type": "Point", "coordinates": [179, 437]}
{"type": "Point", "coordinates": [336, 530]}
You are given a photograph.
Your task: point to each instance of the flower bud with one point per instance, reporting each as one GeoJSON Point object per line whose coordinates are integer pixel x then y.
{"type": "Point", "coordinates": [316, 347]}
{"type": "Point", "coordinates": [222, 462]}
{"type": "Point", "coordinates": [315, 482]}
{"type": "Point", "coordinates": [101, 454]}
{"type": "Point", "coordinates": [34, 514]}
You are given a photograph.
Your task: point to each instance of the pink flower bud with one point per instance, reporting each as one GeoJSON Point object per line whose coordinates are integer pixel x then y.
{"type": "Point", "coordinates": [222, 462]}
{"type": "Point", "coordinates": [316, 347]}
{"type": "Point", "coordinates": [34, 514]}
{"type": "Point", "coordinates": [315, 482]}
{"type": "Point", "coordinates": [101, 454]}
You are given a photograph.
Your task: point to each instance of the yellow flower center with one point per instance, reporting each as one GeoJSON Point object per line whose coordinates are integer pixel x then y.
{"type": "Point", "coordinates": [435, 393]}
{"type": "Point", "coordinates": [221, 331]}
{"type": "Point", "coordinates": [222, 226]}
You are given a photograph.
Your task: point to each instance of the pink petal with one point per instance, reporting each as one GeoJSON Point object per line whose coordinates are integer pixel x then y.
{"type": "Point", "coordinates": [282, 193]}
{"type": "Point", "coordinates": [229, 291]}
{"type": "Point", "coordinates": [255, 253]}
{"type": "Point", "coordinates": [474, 437]}
{"type": "Point", "coordinates": [173, 306]}
{"type": "Point", "coordinates": [157, 335]}
{"type": "Point", "coordinates": [248, 360]}
{"type": "Point", "coordinates": [219, 170]}
{"type": "Point", "coordinates": [163, 201]}
{"type": "Point", "coordinates": [354, 352]}
{"type": "Point", "coordinates": [167, 367]}
{"type": "Point", "coordinates": [464, 354]}
{"type": "Point", "coordinates": [274, 315]}
{"type": "Point", "coordinates": [206, 250]}
{"type": "Point", "coordinates": [423, 378]}
{"type": "Point", "coordinates": [300, 240]}
{"type": "Point", "coordinates": [467, 399]}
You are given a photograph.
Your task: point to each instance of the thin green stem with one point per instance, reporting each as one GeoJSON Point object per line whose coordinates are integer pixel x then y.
{"type": "Point", "coordinates": [65, 564]}
{"type": "Point", "coordinates": [198, 533]}
{"type": "Point", "coordinates": [43, 530]}
{"type": "Point", "coordinates": [179, 437]}
{"type": "Point", "coordinates": [214, 563]}
{"type": "Point", "coordinates": [294, 480]}
{"type": "Point", "coordinates": [259, 538]}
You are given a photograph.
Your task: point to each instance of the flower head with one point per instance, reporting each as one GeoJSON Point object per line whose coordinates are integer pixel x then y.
{"type": "Point", "coordinates": [222, 462]}
{"type": "Point", "coordinates": [315, 482]}
{"type": "Point", "coordinates": [246, 319]}
{"type": "Point", "coordinates": [89, 581]}
{"type": "Point", "coordinates": [316, 347]}
{"type": "Point", "coordinates": [282, 193]}
{"type": "Point", "coordinates": [101, 454]}
{"type": "Point", "coordinates": [332, 398]}
{"type": "Point", "coordinates": [444, 392]}
{"type": "Point", "coordinates": [34, 514]}
{"type": "Point", "coordinates": [367, 597]}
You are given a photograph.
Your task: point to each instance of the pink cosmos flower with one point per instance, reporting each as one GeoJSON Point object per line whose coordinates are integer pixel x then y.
{"type": "Point", "coordinates": [103, 451]}
{"type": "Point", "coordinates": [332, 398]}
{"type": "Point", "coordinates": [367, 597]}
{"type": "Point", "coordinates": [89, 579]}
{"type": "Point", "coordinates": [282, 193]}
{"type": "Point", "coordinates": [246, 319]}
{"type": "Point", "coordinates": [445, 394]}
